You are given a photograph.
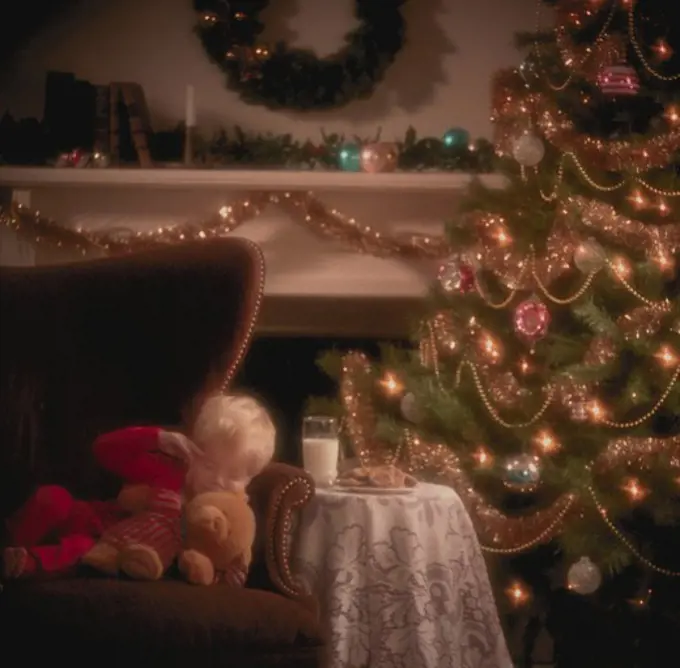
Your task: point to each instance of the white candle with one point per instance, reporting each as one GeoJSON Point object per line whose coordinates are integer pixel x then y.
{"type": "Point", "coordinates": [190, 115]}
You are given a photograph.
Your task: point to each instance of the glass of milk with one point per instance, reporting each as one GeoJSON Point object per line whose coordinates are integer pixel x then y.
{"type": "Point", "coordinates": [320, 448]}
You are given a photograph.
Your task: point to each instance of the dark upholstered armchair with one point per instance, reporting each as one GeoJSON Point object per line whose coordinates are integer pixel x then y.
{"type": "Point", "coordinates": [139, 339]}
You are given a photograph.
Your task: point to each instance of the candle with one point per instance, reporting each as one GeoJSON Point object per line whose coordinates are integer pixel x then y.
{"type": "Point", "coordinates": [190, 115]}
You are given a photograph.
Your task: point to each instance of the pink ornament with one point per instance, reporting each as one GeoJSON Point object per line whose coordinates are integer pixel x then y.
{"type": "Point", "coordinates": [532, 319]}
{"type": "Point", "coordinates": [618, 80]}
{"type": "Point", "coordinates": [467, 274]}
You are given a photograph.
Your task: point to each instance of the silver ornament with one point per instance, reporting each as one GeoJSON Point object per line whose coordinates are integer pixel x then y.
{"type": "Point", "coordinates": [589, 256]}
{"type": "Point", "coordinates": [528, 149]}
{"type": "Point", "coordinates": [522, 473]}
{"type": "Point", "coordinates": [456, 275]}
{"type": "Point", "coordinates": [409, 408]}
{"type": "Point", "coordinates": [584, 577]}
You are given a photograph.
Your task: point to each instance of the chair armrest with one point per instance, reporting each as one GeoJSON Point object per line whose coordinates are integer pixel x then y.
{"type": "Point", "coordinates": [276, 494]}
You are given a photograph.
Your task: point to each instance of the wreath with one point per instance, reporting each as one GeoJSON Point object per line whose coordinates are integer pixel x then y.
{"type": "Point", "coordinates": [285, 78]}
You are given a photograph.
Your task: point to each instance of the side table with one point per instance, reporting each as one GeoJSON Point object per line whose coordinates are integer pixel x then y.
{"type": "Point", "coordinates": [401, 580]}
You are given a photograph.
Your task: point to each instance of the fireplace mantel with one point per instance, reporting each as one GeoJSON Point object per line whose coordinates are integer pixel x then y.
{"type": "Point", "coordinates": [241, 179]}
{"type": "Point", "coordinates": [300, 265]}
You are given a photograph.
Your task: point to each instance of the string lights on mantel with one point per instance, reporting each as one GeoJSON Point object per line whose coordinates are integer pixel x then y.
{"type": "Point", "coordinates": [303, 208]}
{"type": "Point", "coordinates": [309, 211]}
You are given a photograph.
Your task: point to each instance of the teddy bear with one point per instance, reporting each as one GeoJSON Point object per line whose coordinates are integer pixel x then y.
{"type": "Point", "coordinates": [235, 438]}
{"type": "Point", "coordinates": [153, 463]}
{"type": "Point", "coordinates": [219, 536]}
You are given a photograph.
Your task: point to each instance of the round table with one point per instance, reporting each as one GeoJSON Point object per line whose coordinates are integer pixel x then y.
{"type": "Point", "coordinates": [401, 580]}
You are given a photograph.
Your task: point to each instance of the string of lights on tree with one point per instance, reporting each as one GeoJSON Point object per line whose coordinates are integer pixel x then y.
{"type": "Point", "coordinates": [556, 430]}
{"type": "Point", "coordinates": [476, 353]}
{"type": "Point", "coordinates": [526, 112]}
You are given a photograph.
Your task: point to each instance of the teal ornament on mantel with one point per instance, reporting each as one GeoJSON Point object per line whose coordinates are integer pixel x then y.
{"type": "Point", "coordinates": [456, 138]}
{"type": "Point", "coordinates": [349, 158]}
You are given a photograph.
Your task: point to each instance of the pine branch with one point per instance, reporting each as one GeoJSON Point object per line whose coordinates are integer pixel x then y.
{"type": "Point", "coordinates": [595, 318]}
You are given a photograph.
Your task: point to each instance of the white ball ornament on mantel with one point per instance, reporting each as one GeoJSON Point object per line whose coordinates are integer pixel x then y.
{"type": "Point", "coordinates": [528, 149]}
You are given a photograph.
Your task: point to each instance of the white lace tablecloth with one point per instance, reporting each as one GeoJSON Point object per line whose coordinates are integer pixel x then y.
{"type": "Point", "coordinates": [401, 580]}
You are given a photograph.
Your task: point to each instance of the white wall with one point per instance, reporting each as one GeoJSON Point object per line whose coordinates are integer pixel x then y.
{"type": "Point", "coordinates": [441, 78]}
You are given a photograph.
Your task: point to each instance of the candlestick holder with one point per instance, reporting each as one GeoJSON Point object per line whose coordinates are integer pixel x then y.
{"type": "Point", "coordinates": [188, 145]}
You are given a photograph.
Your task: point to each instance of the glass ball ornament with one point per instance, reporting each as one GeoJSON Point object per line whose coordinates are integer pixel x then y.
{"type": "Point", "coordinates": [505, 390]}
{"type": "Point", "coordinates": [528, 149]}
{"type": "Point", "coordinates": [456, 138]}
{"type": "Point", "coordinates": [618, 80]}
{"type": "Point", "coordinates": [410, 409]}
{"type": "Point", "coordinates": [589, 256]}
{"type": "Point", "coordinates": [602, 350]}
{"type": "Point", "coordinates": [379, 157]}
{"type": "Point", "coordinates": [100, 159]}
{"type": "Point", "coordinates": [522, 473]}
{"type": "Point", "coordinates": [584, 577]}
{"type": "Point", "coordinates": [531, 320]}
{"type": "Point", "coordinates": [456, 275]}
{"type": "Point", "coordinates": [349, 158]}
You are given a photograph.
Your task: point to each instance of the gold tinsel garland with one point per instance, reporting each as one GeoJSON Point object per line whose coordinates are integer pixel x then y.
{"type": "Point", "coordinates": [576, 220]}
{"type": "Point", "coordinates": [303, 208]}
{"type": "Point", "coordinates": [499, 532]}
{"type": "Point", "coordinates": [308, 210]}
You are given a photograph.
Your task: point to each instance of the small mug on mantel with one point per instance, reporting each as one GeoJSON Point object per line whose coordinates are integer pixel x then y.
{"type": "Point", "coordinates": [321, 448]}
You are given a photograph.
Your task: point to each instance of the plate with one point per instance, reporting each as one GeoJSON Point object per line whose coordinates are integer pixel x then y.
{"type": "Point", "coordinates": [382, 491]}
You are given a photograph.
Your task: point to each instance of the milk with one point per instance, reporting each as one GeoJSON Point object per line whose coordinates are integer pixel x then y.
{"type": "Point", "coordinates": [320, 459]}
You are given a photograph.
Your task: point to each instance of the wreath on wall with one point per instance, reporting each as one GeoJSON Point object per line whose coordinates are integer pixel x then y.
{"type": "Point", "coordinates": [284, 78]}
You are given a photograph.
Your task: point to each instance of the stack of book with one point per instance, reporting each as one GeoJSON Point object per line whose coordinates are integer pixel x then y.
{"type": "Point", "coordinates": [112, 119]}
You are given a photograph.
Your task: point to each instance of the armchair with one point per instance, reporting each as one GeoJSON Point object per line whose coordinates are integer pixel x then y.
{"type": "Point", "coordinates": [139, 339]}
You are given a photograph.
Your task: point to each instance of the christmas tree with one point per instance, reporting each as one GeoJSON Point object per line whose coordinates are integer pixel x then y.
{"type": "Point", "coordinates": [543, 383]}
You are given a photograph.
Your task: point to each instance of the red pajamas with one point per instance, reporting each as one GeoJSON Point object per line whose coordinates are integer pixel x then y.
{"type": "Point", "coordinates": [234, 575]}
{"type": "Point", "coordinates": [57, 530]}
{"type": "Point", "coordinates": [157, 527]}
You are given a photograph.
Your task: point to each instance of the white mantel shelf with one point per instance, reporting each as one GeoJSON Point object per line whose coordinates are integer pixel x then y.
{"type": "Point", "coordinates": [242, 179]}
{"type": "Point", "coordinates": [299, 262]}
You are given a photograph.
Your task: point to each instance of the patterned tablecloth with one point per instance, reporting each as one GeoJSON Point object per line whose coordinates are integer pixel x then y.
{"type": "Point", "coordinates": [401, 580]}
